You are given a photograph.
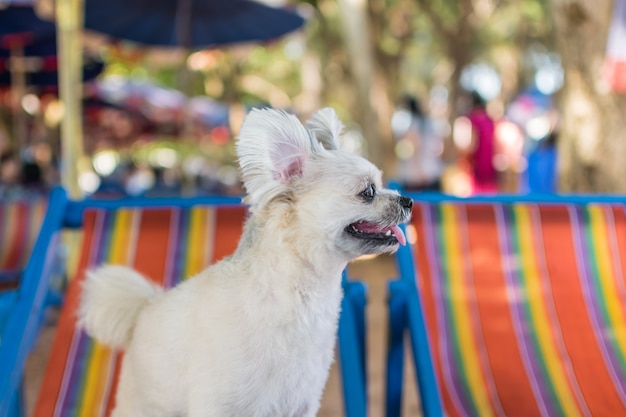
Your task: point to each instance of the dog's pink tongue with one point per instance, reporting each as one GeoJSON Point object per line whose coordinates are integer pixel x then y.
{"type": "Point", "coordinates": [399, 234]}
{"type": "Point", "coordinates": [373, 228]}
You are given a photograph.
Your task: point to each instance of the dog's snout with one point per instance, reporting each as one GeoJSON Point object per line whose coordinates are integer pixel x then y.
{"type": "Point", "coordinates": [406, 202]}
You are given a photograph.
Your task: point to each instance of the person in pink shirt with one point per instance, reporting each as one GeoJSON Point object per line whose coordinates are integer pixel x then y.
{"type": "Point", "coordinates": [484, 174]}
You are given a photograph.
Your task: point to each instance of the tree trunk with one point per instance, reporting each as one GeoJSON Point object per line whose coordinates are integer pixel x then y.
{"type": "Point", "coordinates": [592, 135]}
{"type": "Point", "coordinates": [359, 51]}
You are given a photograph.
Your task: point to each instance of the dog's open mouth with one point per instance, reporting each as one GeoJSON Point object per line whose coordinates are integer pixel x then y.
{"type": "Point", "coordinates": [371, 231]}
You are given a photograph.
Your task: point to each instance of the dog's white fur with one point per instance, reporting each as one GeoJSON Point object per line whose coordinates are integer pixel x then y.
{"type": "Point", "coordinates": [252, 335]}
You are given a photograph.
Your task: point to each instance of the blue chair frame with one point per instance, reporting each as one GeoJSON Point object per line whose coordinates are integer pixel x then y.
{"type": "Point", "coordinates": [23, 322]}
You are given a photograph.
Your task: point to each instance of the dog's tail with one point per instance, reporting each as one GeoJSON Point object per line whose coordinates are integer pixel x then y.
{"type": "Point", "coordinates": [113, 297]}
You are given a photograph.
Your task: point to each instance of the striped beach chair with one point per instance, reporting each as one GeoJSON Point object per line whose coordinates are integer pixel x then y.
{"type": "Point", "coordinates": [166, 239]}
{"type": "Point", "coordinates": [20, 220]}
{"type": "Point", "coordinates": [514, 308]}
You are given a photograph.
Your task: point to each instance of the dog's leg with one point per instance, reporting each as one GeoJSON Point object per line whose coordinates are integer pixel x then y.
{"type": "Point", "coordinates": [126, 406]}
{"type": "Point", "coordinates": [202, 407]}
{"type": "Point", "coordinates": [128, 402]}
{"type": "Point", "coordinates": [129, 407]}
{"type": "Point", "coordinates": [121, 412]}
{"type": "Point", "coordinates": [124, 403]}
{"type": "Point", "coordinates": [309, 410]}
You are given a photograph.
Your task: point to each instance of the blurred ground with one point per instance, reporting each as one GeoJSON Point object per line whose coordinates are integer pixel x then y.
{"type": "Point", "coordinates": [375, 273]}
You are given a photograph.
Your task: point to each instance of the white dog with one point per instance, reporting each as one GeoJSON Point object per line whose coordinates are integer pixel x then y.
{"type": "Point", "coordinates": [253, 335]}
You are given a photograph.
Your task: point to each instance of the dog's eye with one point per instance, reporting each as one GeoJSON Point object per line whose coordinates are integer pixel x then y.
{"type": "Point", "coordinates": [369, 193]}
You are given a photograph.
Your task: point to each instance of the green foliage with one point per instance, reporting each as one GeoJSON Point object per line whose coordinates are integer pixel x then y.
{"type": "Point", "coordinates": [416, 44]}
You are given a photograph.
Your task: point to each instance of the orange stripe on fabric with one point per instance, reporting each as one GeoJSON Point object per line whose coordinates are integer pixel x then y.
{"type": "Point", "coordinates": [9, 227]}
{"type": "Point", "coordinates": [20, 244]}
{"type": "Point", "coordinates": [228, 229]}
{"type": "Point", "coordinates": [15, 235]}
{"type": "Point", "coordinates": [514, 393]}
{"type": "Point", "coordinates": [53, 377]}
{"type": "Point", "coordinates": [569, 301]}
{"type": "Point", "coordinates": [152, 243]}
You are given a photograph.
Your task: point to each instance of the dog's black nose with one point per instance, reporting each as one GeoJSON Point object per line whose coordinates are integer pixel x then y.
{"type": "Point", "coordinates": [406, 202]}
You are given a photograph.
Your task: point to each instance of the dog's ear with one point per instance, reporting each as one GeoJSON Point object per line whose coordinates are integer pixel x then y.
{"type": "Point", "coordinates": [326, 127]}
{"type": "Point", "coordinates": [272, 148]}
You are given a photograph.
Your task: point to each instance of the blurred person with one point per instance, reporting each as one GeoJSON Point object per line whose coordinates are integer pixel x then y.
{"type": "Point", "coordinates": [482, 149]}
{"type": "Point", "coordinates": [541, 174]}
{"type": "Point", "coordinates": [140, 178]}
{"type": "Point", "coordinates": [419, 148]}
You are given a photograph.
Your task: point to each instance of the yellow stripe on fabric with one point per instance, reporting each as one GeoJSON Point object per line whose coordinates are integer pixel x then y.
{"type": "Point", "coordinates": [540, 317]}
{"type": "Point", "coordinates": [95, 384]}
{"type": "Point", "coordinates": [102, 386]}
{"type": "Point", "coordinates": [120, 241]}
{"type": "Point", "coordinates": [607, 276]}
{"type": "Point", "coordinates": [72, 239]}
{"type": "Point", "coordinates": [120, 252]}
{"type": "Point", "coordinates": [461, 311]}
{"type": "Point", "coordinates": [196, 247]}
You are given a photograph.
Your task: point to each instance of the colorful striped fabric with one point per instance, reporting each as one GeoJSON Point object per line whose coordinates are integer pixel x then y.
{"type": "Point", "coordinates": [20, 221]}
{"type": "Point", "coordinates": [525, 307]}
{"type": "Point", "coordinates": [165, 244]}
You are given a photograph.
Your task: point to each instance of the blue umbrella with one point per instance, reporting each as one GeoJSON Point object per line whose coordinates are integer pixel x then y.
{"type": "Point", "coordinates": [189, 23]}
{"type": "Point", "coordinates": [19, 25]}
{"type": "Point", "coordinates": [48, 77]}
{"type": "Point", "coordinates": [39, 48]}
{"type": "Point", "coordinates": [34, 40]}
{"type": "Point", "coordinates": [23, 33]}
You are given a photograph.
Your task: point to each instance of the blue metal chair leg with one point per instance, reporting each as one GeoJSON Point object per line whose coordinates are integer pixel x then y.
{"type": "Point", "coordinates": [397, 305]}
{"type": "Point", "coordinates": [17, 408]}
{"type": "Point", "coordinates": [358, 298]}
{"type": "Point", "coordinates": [426, 379]}
{"type": "Point", "coordinates": [351, 335]}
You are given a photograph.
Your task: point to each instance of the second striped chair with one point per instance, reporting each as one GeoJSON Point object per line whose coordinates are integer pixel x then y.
{"type": "Point", "coordinates": [514, 309]}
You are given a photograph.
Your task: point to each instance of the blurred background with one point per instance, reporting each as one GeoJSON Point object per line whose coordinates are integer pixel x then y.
{"type": "Point", "coordinates": [458, 96]}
